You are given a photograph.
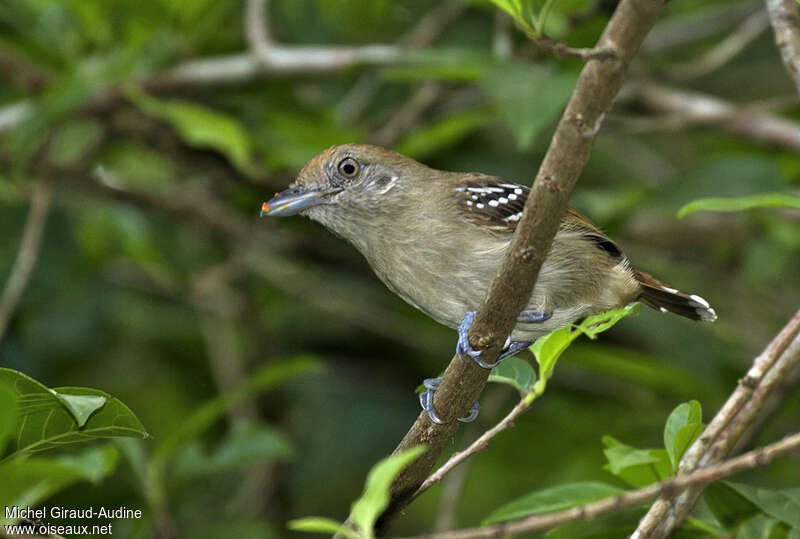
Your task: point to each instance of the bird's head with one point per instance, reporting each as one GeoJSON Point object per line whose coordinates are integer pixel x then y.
{"type": "Point", "coordinates": [347, 184]}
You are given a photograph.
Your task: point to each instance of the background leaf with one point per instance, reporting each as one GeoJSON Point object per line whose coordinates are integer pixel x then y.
{"type": "Point", "coordinates": [199, 126]}
{"type": "Point", "coordinates": [27, 482]}
{"type": "Point", "coordinates": [528, 98]}
{"type": "Point", "coordinates": [684, 425]}
{"type": "Point", "coordinates": [44, 420]}
{"type": "Point", "coordinates": [373, 501]}
{"type": "Point", "coordinates": [551, 499]}
{"type": "Point", "coordinates": [515, 372]}
{"type": "Point", "coordinates": [637, 467]}
{"type": "Point", "coordinates": [782, 504]}
{"type": "Point", "coordinates": [321, 525]}
{"type": "Point", "coordinates": [764, 200]}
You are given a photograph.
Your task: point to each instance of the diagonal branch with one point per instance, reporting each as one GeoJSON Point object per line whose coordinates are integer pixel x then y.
{"type": "Point", "coordinates": [784, 15]}
{"type": "Point", "coordinates": [753, 459]}
{"type": "Point", "coordinates": [769, 370]}
{"type": "Point", "coordinates": [692, 107]}
{"type": "Point", "coordinates": [255, 26]}
{"type": "Point", "coordinates": [599, 82]}
{"type": "Point", "coordinates": [27, 255]}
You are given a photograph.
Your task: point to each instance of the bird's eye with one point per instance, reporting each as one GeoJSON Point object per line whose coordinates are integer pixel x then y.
{"type": "Point", "coordinates": [348, 167]}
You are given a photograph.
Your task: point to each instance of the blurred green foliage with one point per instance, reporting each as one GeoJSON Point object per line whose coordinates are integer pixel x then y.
{"type": "Point", "coordinates": [157, 283]}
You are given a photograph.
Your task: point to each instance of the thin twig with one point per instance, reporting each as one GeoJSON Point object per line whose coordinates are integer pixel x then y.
{"type": "Point", "coordinates": [784, 15]}
{"type": "Point", "coordinates": [724, 51]}
{"type": "Point", "coordinates": [569, 151]}
{"type": "Point", "coordinates": [769, 370]}
{"type": "Point", "coordinates": [753, 459]}
{"type": "Point", "coordinates": [686, 107]}
{"type": "Point", "coordinates": [480, 444]}
{"type": "Point", "coordinates": [27, 255]}
{"type": "Point", "coordinates": [256, 27]}
{"type": "Point", "coordinates": [453, 484]}
{"type": "Point", "coordinates": [699, 24]}
{"type": "Point", "coordinates": [406, 117]}
{"type": "Point", "coordinates": [561, 50]}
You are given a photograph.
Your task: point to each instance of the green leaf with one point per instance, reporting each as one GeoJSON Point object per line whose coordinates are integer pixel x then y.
{"type": "Point", "coordinates": [727, 505]}
{"type": "Point", "coordinates": [269, 376]}
{"type": "Point", "coordinates": [763, 527]}
{"type": "Point", "coordinates": [516, 8]}
{"type": "Point", "coordinates": [515, 372]}
{"type": "Point", "coordinates": [28, 482]}
{"type": "Point", "coordinates": [683, 427]}
{"type": "Point", "coordinates": [444, 133]}
{"type": "Point", "coordinates": [528, 97]}
{"type": "Point", "coordinates": [366, 510]}
{"type": "Point", "coordinates": [447, 64]}
{"type": "Point", "coordinates": [552, 499]}
{"type": "Point", "coordinates": [321, 525]}
{"type": "Point", "coordinates": [763, 200]}
{"type": "Point", "coordinates": [49, 417]}
{"type": "Point", "coordinates": [247, 444]}
{"type": "Point", "coordinates": [8, 414]}
{"type": "Point", "coordinates": [637, 467]}
{"type": "Point", "coordinates": [199, 126]}
{"type": "Point", "coordinates": [549, 348]}
{"type": "Point", "coordinates": [782, 504]}
{"type": "Point", "coordinates": [80, 406]}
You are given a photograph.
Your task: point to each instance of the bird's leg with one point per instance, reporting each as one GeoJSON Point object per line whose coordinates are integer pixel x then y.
{"type": "Point", "coordinates": [534, 317]}
{"type": "Point", "coordinates": [510, 347]}
{"type": "Point", "coordinates": [463, 349]}
{"type": "Point", "coordinates": [426, 400]}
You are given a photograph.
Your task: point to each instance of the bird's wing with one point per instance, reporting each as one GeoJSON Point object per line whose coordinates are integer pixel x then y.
{"type": "Point", "coordinates": [496, 204]}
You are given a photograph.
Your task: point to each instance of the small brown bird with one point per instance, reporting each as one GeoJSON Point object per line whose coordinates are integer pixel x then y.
{"type": "Point", "coordinates": [437, 239]}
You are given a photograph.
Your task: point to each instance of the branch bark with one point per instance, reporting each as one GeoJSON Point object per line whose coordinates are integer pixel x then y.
{"type": "Point", "coordinates": [693, 107]}
{"type": "Point", "coordinates": [753, 459]}
{"type": "Point", "coordinates": [784, 15]}
{"type": "Point", "coordinates": [27, 255]}
{"type": "Point", "coordinates": [769, 370]}
{"type": "Point", "coordinates": [599, 82]}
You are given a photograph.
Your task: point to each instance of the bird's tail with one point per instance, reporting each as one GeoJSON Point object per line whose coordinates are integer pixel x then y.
{"type": "Point", "coordinates": [659, 296]}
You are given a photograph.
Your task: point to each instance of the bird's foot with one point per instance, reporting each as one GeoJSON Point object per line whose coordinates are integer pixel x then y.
{"type": "Point", "coordinates": [426, 401]}
{"type": "Point", "coordinates": [510, 348]}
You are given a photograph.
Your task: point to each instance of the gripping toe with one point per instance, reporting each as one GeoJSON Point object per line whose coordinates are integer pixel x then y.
{"type": "Point", "coordinates": [426, 401]}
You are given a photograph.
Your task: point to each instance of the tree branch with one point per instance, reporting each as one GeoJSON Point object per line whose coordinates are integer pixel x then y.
{"type": "Point", "coordinates": [724, 51]}
{"type": "Point", "coordinates": [769, 370]}
{"type": "Point", "coordinates": [599, 82]}
{"type": "Point", "coordinates": [692, 107]}
{"type": "Point", "coordinates": [256, 28]}
{"type": "Point", "coordinates": [784, 15]}
{"type": "Point", "coordinates": [27, 255]}
{"type": "Point", "coordinates": [753, 459]}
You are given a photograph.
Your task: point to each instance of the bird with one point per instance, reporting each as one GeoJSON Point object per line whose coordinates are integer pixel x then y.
{"type": "Point", "coordinates": [437, 239]}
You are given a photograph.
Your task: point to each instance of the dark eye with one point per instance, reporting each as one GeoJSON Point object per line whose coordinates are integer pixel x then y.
{"type": "Point", "coordinates": [348, 167]}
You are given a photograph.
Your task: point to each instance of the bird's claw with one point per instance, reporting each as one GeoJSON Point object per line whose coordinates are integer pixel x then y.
{"type": "Point", "coordinates": [463, 347]}
{"type": "Point", "coordinates": [464, 351]}
{"type": "Point", "coordinates": [426, 401]}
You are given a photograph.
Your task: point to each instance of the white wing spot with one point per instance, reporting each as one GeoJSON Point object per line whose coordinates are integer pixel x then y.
{"type": "Point", "coordinates": [663, 310]}
{"type": "Point", "coordinates": [479, 206]}
{"type": "Point", "coordinates": [469, 203]}
{"type": "Point", "coordinates": [502, 200]}
{"type": "Point", "coordinates": [493, 203]}
{"type": "Point", "coordinates": [517, 191]}
{"type": "Point", "coordinates": [512, 196]}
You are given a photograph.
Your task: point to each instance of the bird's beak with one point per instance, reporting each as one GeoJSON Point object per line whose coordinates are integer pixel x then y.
{"type": "Point", "coordinates": [294, 200]}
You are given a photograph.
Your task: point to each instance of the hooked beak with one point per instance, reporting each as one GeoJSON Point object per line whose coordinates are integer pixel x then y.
{"type": "Point", "coordinates": [294, 200]}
